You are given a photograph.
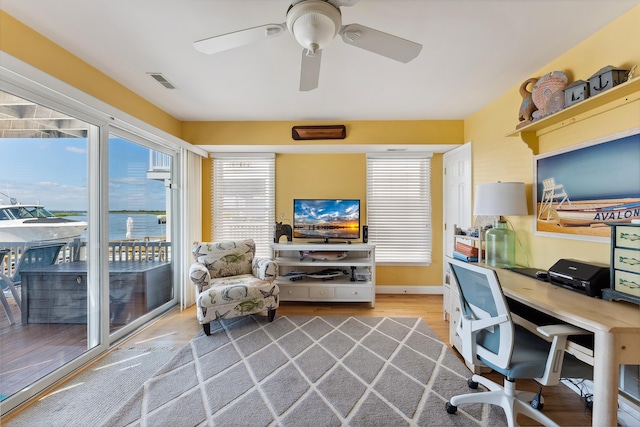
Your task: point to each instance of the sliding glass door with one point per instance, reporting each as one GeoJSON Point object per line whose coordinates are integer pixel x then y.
{"type": "Point", "coordinates": [140, 261]}
{"type": "Point", "coordinates": [45, 221]}
{"type": "Point", "coordinates": [85, 241]}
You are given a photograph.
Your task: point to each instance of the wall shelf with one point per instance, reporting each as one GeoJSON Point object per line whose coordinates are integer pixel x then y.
{"type": "Point", "coordinates": [619, 95]}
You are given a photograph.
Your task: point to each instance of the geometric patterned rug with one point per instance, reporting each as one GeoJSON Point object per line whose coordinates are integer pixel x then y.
{"type": "Point", "coordinates": [308, 371]}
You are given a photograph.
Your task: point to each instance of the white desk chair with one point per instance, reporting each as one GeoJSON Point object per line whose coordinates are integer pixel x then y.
{"type": "Point", "coordinates": [490, 337]}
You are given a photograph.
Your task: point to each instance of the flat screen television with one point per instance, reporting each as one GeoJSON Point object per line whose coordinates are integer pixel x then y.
{"type": "Point", "coordinates": [326, 219]}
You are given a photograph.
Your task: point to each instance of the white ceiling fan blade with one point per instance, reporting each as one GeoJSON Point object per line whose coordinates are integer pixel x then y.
{"type": "Point", "coordinates": [238, 38]}
{"type": "Point", "coordinates": [346, 3]}
{"type": "Point", "coordinates": [310, 70]}
{"type": "Point", "coordinates": [381, 43]}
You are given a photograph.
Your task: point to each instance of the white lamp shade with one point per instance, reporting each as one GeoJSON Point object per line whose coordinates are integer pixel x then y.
{"type": "Point", "coordinates": [500, 199]}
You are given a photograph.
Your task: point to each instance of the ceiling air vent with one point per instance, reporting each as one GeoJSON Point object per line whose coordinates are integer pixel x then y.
{"type": "Point", "coordinates": [162, 80]}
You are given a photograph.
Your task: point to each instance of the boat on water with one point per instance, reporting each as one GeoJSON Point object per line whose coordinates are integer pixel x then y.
{"type": "Point", "coordinates": [596, 215]}
{"type": "Point", "coordinates": [33, 223]}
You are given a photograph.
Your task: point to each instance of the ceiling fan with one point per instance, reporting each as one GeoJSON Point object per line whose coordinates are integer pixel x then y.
{"type": "Point", "coordinates": [314, 23]}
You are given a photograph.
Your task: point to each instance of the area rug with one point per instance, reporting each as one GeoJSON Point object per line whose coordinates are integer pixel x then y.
{"type": "Point", "coordinates": [308, 371]}
{"type": "Point", "coordinates": [95, 393]}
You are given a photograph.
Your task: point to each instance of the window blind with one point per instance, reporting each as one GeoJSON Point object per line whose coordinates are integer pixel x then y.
{"type": "Point", "coordinates": [243, 199]}
{"type": "Point", "coordinates": [399, 207]}
{"type": "Point", "coordinates": [190, 218]}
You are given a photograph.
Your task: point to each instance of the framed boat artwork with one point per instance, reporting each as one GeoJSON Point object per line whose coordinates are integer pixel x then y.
{"type": "Point", "coordinates": [579, 189]}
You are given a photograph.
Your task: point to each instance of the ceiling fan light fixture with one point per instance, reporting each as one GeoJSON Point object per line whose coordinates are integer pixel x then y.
{"type": "Point", "coordinates": [314, 24]}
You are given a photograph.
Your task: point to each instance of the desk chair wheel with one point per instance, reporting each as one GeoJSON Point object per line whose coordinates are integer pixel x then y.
{"type": "Point", "coordinates": [472, 384]}
{"type": "Point", "coordinates": [451, 409]}
{"type": "Point", "coordinates": [537, 402]}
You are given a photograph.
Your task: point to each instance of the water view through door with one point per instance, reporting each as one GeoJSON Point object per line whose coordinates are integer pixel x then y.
{"type": "Point", "coordinates": [140, 278]}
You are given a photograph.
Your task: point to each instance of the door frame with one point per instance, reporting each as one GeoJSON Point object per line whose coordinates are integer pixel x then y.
{"type": "Point", "coordinates": [451, 214]}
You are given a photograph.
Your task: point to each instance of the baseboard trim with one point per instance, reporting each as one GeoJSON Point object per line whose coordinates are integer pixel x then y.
{"type": "Point", "coordinates": [413, 290]}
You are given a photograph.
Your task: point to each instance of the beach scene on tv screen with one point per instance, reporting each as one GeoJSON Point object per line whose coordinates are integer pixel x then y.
{"type": "Point", "coordinates": [326, 218]}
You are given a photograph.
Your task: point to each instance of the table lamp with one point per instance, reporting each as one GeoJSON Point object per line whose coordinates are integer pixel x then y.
{"type": "Point", "coordinates": [499, 199]}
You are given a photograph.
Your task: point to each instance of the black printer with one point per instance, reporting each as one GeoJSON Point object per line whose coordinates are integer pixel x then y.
{"type": "Point", "coordinates": [586, 278]}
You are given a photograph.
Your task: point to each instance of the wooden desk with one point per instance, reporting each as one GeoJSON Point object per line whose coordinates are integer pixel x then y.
{"type": "Point", "coordinates": [615, 325]}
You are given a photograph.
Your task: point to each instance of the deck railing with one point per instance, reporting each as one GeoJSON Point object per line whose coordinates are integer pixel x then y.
{"type": "Point", "coordinates": [120, 250]}
{"type": "Point", "coordinates": [144, 250]}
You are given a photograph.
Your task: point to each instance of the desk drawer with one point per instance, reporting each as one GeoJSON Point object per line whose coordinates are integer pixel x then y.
{"type": "Point", "coordinates": [628, 236]}
{"type": "Point", "coordinates": [626, 259]}
{"type": "Point", "coordinates": [626, 282]}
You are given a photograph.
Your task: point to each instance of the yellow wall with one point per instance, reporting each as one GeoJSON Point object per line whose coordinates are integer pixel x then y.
{"type": "Point", "coordinates": [319, 176]}
{"type": "Point", "coordinates": [31, 47]}
{"type": "Point", "coordinates": [358, 132]}
{"type": "Point", "coordinates": [500, 158]}
{"type": "Point", "coordinates": [336, 175]}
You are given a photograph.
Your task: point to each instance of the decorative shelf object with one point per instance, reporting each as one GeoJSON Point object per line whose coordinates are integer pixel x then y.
{"type": "Point", "coordinates": [306, 133]}
{"type": "Point", "coordinates": [622, 94]}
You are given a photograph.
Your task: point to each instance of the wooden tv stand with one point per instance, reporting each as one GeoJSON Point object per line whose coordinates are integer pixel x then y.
{"type": "Point", "coordinates": [353, 280]}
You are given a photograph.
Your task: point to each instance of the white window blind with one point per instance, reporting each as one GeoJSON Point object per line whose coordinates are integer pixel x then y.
{"type": "Point", "coordinates": [243, 199]}
{"type": "Point", "coordinates": [399, 207]}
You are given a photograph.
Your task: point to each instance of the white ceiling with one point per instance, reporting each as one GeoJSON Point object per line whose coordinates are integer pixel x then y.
{"type": "Point", "coordinates": [473, 51]}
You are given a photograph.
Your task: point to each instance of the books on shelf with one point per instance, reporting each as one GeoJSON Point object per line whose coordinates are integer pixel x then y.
{"type": "Point", "coordinates": [467, 250]}
{"type": "Point", "coordinates": [464, 257]}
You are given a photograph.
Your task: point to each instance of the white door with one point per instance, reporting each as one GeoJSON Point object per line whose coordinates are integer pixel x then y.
{"type": "Point", "coordinates": [456, 203]}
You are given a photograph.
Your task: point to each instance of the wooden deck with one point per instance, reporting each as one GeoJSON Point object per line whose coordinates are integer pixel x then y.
{"type": "Point", "coordinates": [29, 352]}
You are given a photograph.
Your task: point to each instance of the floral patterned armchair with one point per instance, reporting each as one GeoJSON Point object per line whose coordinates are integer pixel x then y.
{"type": "Point", "coordinates": [231, 282]}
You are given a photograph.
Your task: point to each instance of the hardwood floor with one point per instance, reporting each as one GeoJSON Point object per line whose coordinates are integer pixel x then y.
{"type": "Point", "coordinates": [30, 351]}
{"type": "Point", "coordinates": [176, 329]}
